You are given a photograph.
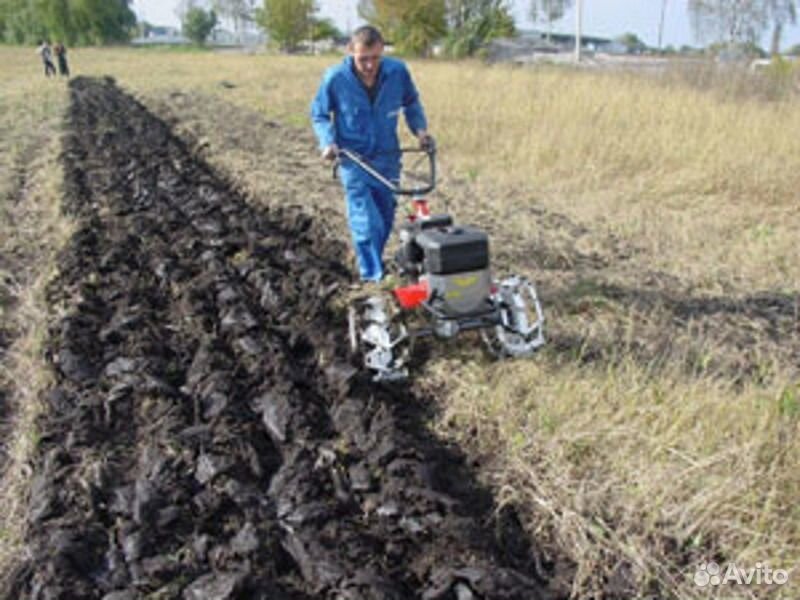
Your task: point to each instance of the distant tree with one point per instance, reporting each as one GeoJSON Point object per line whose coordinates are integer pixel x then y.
{"type": "Point", "coordinates": [729, 21]}
{"type": "Point", "coordinates": [102, 21]}
{"type": "Point", "coordinates": [286, 22]}
{"type": "Point", "coordinates": [632, 43]}
{"type": "Point", "coordinates": [549, 11]}
{"type": "Point", "coordinates": [198, 24]}
{"type": "Point", "coordinates": [58, 20]}
{"type": "Point", "coordinates": [741, 21]}
{"type": "Point", "coordinates": [779, 14]}
{"type": "Point", "coordinates": [324, 29]}
{"type": "Point", "coordinates": [462, 12]}
{"type": "Point", "coordinates": [22, 22]}
{"type": "Point", "coordinates": [412, 25]}
{"type": "Point", "coordinates": [472, 23]}
{"type": "Point", "coordinates": [752, 50]}
{"type": "Point", "coordinates": [794, 50]}
{"type": "Point", "coordinates": [70, 21]}
{"type": "Point", "coordinates": [184, 6]}
{"type": "Point", "coordinates": [741, 52]}
{"type": "Point", "coordinates": [238, 11]}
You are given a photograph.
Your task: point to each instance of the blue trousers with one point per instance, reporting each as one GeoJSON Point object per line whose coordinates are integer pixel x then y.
{"type": "Point", "coordinates": [370, 214]}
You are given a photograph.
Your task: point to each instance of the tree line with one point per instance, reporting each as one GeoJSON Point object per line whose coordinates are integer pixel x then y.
{"type": "Point", "coordinates": [72, 22]}
{"type": "Point", "coordinates": [742, 21]}
{"type": "Point", "coordinates": [413, 26]}
{"type": "Point", "coordinates": [463, 26]}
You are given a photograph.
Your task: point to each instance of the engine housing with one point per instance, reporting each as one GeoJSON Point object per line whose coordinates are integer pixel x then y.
{"type": "Point", "coordinates": [453, 259]}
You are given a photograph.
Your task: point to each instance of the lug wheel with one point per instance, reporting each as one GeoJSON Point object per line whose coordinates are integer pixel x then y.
{"type": "Point", "coordinates": [521, 330]}
{"type": "Point", "coordinates": [379, 338]}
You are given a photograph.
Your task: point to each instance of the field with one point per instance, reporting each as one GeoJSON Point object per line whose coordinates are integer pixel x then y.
{"type": "Point", "coordinates": [144, 224]}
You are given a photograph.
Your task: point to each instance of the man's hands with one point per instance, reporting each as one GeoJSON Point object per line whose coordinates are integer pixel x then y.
{"type": "Point", "coordinates": [331, 152]}
{"type": "Point", "coordinates": [426, 141]}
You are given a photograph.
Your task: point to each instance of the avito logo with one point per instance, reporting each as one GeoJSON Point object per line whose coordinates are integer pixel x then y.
{"type": "Point", "coordinates": [712, 574]}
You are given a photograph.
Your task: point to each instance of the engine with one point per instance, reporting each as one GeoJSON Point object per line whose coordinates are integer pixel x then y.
{"type": "Point", "coordinates": [453, 259]}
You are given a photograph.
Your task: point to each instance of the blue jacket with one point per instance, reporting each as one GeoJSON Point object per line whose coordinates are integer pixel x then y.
{"type": "Point", "coordinates": [341, 112]}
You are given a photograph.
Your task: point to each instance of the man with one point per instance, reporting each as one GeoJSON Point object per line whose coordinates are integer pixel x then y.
{"type": "Point", "coordinates": [44, 51]}
{"type": "Point", "coordinates": [356, 108]}
{"type": "Point", "coordinates": [61, 59]}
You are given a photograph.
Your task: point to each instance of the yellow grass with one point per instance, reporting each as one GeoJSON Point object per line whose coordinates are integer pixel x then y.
{"type": "Point", "coordinates": [32, 229]}
{"type": "Point", "coordinates": [708, 186]}
{"type": "Point", "coordinates": [652, 470]}
{"type": "Point", "coordinates": [619, 463]}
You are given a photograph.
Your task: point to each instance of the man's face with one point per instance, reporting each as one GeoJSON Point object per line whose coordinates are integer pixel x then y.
{"type": "Point", "coordinates": [367, 59]}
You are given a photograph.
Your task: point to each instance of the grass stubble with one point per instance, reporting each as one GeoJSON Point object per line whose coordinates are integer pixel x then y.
{"type": "Point", "coordinates": [32, 230]}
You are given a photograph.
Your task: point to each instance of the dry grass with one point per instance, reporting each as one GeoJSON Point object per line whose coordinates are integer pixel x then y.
{"type": "Point", "coordinates": [704, 185]}
{"type": "Point", "coordinates": [32, 229]}
{"type": "Point", "coordinates": [628, 471]}
{"type": "Point", "coordinates": [624, 465]}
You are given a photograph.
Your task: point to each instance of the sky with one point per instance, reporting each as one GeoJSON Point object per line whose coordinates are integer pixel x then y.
{"type": "Point", "coordinates": [604, 18]}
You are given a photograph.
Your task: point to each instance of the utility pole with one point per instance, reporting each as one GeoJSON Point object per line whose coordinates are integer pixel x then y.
{"type": "Point", "coordinates": [578, 27]}
{"type": "Point", "coordinates": [661, 23]}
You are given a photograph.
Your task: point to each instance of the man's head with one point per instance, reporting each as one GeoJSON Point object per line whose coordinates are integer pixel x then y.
{"type": "Point", "coordinates": [366, 48]}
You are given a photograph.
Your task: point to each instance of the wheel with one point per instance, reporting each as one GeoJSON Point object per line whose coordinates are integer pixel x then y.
{"type": "Point", "coordinates": [521, 329]}
{"type": "Point", "coordinates": [378, 335]}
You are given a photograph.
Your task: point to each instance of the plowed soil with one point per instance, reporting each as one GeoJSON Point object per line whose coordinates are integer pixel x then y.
{"type": "Point", "coordinates": [207, 436]}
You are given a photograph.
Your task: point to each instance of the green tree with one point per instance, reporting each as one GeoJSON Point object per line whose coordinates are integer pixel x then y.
{"type": "Point", "coordinates": [198, 24]}
{"type": "Point", "coordinates": [412, 25]}
{"type": "Point", "coordinates": [474, 22]}
{"type": "Point", "coordinates": [58, 20]}
{"type": "Point", "coordinates": [632, 43]}
{"type": "Point", "coordinates": [286, 22]}
{"type": "Point", "coordinates": [22, 22]}
{"type": "Point", "coordinates": [102, 21]}
{"type": "Point", "coordinates": [324, 29]}
{"type": "Point", "coordinates": [70, 21]}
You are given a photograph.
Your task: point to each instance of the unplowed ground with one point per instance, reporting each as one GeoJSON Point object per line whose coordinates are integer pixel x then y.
{"type": "Point", "coordinates": [207, 436]}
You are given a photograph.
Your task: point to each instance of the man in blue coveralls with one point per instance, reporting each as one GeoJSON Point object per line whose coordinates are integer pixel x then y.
{"type": "Point", "coordinates": [356, 108]}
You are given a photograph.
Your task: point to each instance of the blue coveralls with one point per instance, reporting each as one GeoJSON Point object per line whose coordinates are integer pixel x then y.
{"type": "Point", "coordinates": [342, 113]}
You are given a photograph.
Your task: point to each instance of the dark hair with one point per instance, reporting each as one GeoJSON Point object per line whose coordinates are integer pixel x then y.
{"type": "Point", "coordinates": [367, 35]}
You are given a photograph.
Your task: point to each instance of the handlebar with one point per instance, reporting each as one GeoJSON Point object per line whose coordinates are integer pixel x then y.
{"type": "Point", "coordinates": [361, 162]}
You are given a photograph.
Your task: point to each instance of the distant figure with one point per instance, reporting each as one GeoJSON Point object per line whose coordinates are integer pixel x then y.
{"type": "Point", "coordinates": [47, 58]}
{"type": "Point", "coordinates": [61, 58]}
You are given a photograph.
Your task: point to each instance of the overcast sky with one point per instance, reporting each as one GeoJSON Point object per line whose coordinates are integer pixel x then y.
{"type": "Point", "coordinates": [605, 18]}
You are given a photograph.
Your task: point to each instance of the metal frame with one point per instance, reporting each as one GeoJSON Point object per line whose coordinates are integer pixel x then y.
{"type": "Point", "coordinates": [362, 163]}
